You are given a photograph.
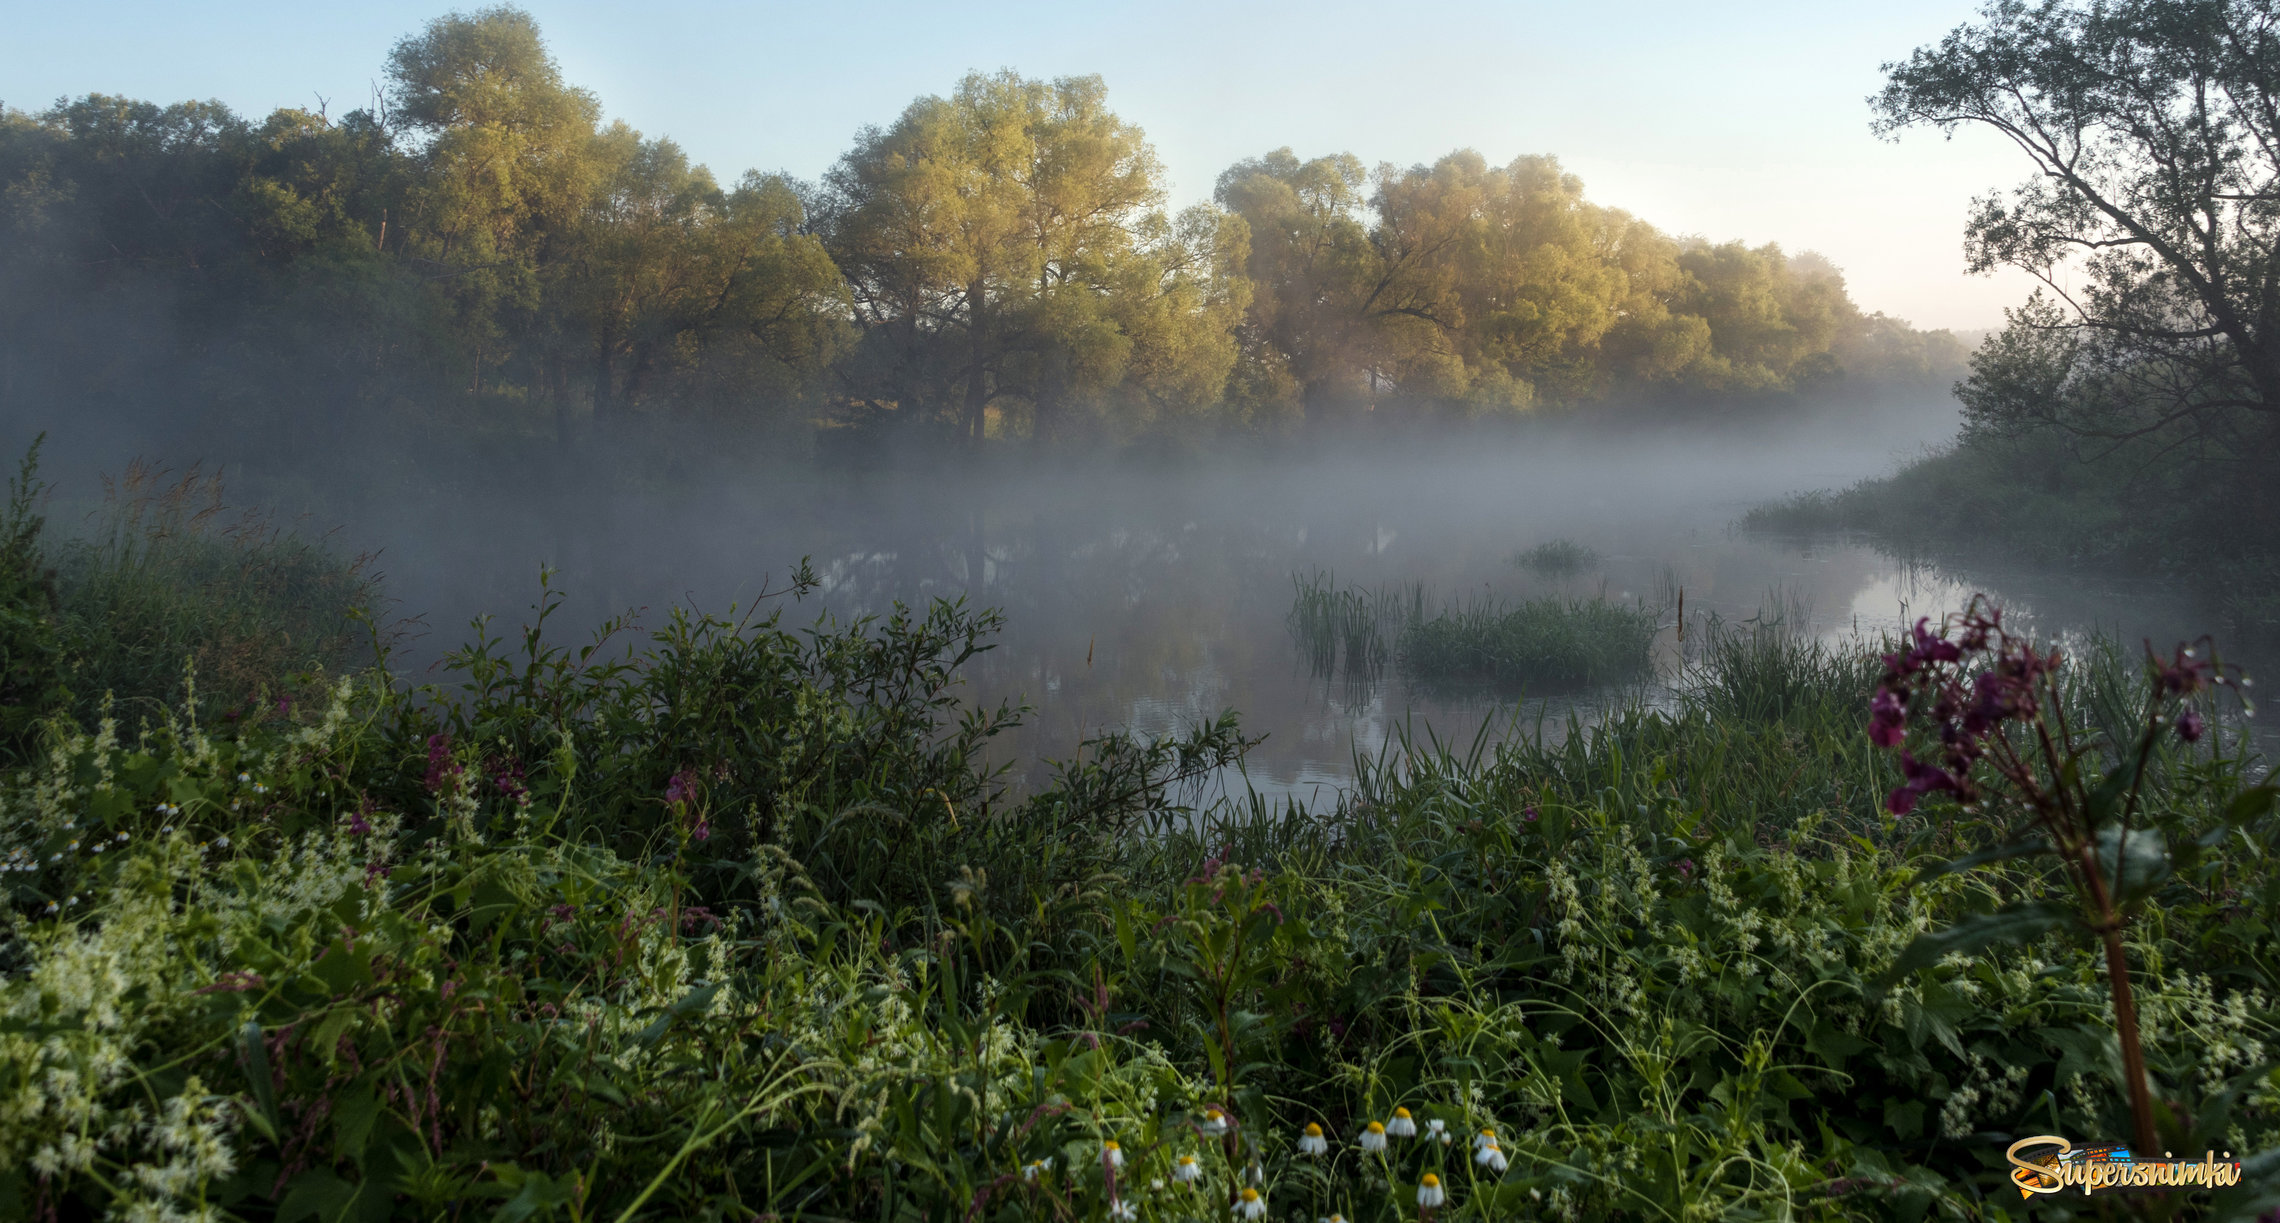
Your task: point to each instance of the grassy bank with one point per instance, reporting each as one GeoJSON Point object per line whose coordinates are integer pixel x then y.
{"type": "Point", "coordinates": [2031, 501]}
{"type": "Point", "coordinates": [738, 927]}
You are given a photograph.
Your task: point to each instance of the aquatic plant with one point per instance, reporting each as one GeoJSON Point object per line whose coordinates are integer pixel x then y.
{"type": "Point", "coordinates": [1538, 644]}
{"type": "Point", "coordinates": [1556, 558]}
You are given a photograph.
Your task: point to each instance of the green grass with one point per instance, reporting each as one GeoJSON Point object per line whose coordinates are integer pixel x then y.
{"type": "Point", "coordinates": [172, 584]}
{"type": "Point", "coordinates": [1539, 645]}
{"type": "Point", "coordinates": [1557, 558]}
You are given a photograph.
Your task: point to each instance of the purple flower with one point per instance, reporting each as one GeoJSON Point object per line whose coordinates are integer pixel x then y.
{"type": "Point", "coordinates": [681, 788]}
{"type": "Point", "coordinates": [1528, 816]}
{"type": "Point", "coordinates": [357, 826]}
{"type": "Point", "coordinates": [1887, 719]}
{"type": "Point", "coordinates": [441, 768]}
{"type": "Point", "coordinates": [2190, 727]}
{"type": "Point", "coordinates": [703, 832]}
{"type": "Point", "coordinates": [1686, 868]}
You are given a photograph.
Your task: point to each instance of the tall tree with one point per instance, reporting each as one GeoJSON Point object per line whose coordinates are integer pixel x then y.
{"type": "Point", "coordinates": [2152, 218]}
{"type": "Point", "coordinates": [508, 160]}
{"type": "Point", "coordinates": [979, 234]}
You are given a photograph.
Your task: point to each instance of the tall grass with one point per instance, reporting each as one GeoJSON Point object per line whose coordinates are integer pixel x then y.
{"type": "Point", "coordinates": [1557, 558]}
{"type": "Point", "coordinates": [1539, 644]}
{"type": "Point", "coordinates": [1346, 632]}
{"type": "Point", "coordinates": [171, 581]}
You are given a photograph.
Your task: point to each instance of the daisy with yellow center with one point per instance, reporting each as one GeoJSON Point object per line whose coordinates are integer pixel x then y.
{"type": "Point", "coordinates": [1429, 1193]}
{"type": "Point", "coordinates": [1402, 1125]}
{"type": "Point", "coordinates": [1312, 1141]}
{"type": "Point", "coordinates": [1373, 1137]}
{"type": "Point", "coordinates": [1250, 1205]}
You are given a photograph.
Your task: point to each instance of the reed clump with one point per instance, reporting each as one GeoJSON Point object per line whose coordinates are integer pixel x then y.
{"type": "Point", "coordinates": [1539, 644]}
{"type": "Point", "coordinates": [1557, 558]}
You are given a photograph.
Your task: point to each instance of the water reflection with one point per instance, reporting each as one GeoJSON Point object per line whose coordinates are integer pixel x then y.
{"type": "Point", "coordinates": [1152, 600]}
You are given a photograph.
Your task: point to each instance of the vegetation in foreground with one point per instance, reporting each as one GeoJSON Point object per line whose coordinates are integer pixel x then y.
{"type": "Point", "coordinates": [733, 925]}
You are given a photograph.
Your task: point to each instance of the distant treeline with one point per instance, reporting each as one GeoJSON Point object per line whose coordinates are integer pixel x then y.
{"type": "Point", "coordinates": [478, 250]}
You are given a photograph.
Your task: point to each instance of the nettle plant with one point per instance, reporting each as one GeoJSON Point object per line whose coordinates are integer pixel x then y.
{"type": "Point", "coordinates": [1987, 718]}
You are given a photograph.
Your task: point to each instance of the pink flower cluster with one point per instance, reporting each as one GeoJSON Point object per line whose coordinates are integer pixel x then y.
{"type": "Point", "coordinates": [1972, 677]}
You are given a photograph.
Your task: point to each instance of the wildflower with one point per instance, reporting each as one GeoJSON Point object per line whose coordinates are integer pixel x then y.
{"type": "Point", "coordinates": [1402, 1125]}
{"type": "Point", "coordinates": [1113, 1153]}
{"type": "Point", "coordinates": [258, 788]}
{"type": "Point", "coordinates": [1887, 719]}
{"type": "Point", "coordinates": [1186, 1170]}
{"type": "Point", "coordinates": [1214, 1123]}
{"type": "Point", "coordinates": [1250, 1205]}
{"type": "Point", "coordinates": [1439, 1129]}
{"type": "Point", "coordinates": [122, 836]}
{"type": "Point", "coordinates": [221, 842]}
{"type": "Point", "coordinates": [1035, 1166]}
{"type": "Point", "coordinates": [1486, 1138]}
{"type": "Point", "coordinates": [2190, 727]}
{"type": "Point", "coordinates": [1334, 1218]}
{"type": "Point", "coordinates": [1429, 1192]}
{"type": "Point", "coordinates": [357, 825]}
{"type": "Point", "coordinates": [1122, 1211]}
{"type": "Point", "coordinates": [243, 778]}
{"type": "Point", "coordinates": [1312, 1142]}
{"type": "Point", "coordinates": [1373, 1137]}
{"type": "Point", "coordinates": [1491, 1157]}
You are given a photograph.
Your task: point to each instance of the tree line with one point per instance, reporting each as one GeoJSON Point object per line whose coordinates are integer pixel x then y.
{"type": "Point", "coordinates": [479, 249]}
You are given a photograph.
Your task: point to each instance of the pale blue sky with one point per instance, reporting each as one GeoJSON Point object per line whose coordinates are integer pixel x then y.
{"type": "Point", "coordinates": [1731, 120]}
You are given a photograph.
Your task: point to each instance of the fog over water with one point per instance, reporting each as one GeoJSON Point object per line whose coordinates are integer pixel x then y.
{"type": "Point", "coordinates": [1150, 598]}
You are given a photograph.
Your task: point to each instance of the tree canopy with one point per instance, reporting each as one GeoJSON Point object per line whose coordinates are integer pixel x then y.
{"type": "Point", "coordinates": [483, 250]}
{"type": "Point", "coordinates": [2152, 128]}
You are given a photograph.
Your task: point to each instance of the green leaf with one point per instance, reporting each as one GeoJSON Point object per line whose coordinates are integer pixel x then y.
{"type": "Point", "coordinates": [256, 1055]}
{"type": "Point", "coordinates": [2251, 803]}
{"type": "Point", "coordinates": [2145, 859]}
{"type": "Point", "coordinates": [2016, 849]}
{"type": "Point", "coordinates": [540, 1192]}
{"type": "Point", "coordinates": [694, 1000]}
{"type": "Point", "coordinates": [2013, 925]}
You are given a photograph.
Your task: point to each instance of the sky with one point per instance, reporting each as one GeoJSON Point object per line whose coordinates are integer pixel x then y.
{"type": "Point", "coordinates": [1726, 120]}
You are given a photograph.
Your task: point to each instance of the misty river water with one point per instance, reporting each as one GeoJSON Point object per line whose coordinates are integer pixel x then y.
{"type": "Point", "coordinates": [1151, 600]}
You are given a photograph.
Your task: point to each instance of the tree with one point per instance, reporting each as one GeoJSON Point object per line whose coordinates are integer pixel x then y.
{"type": "Point", "coordinates": [993, 242]}
{"type": "Point", "coordinates": [2152, 219]}
{"type": "Point", "coordinates": [508, 162]}
{"type": "Point", "coordinates": [662, 264]}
